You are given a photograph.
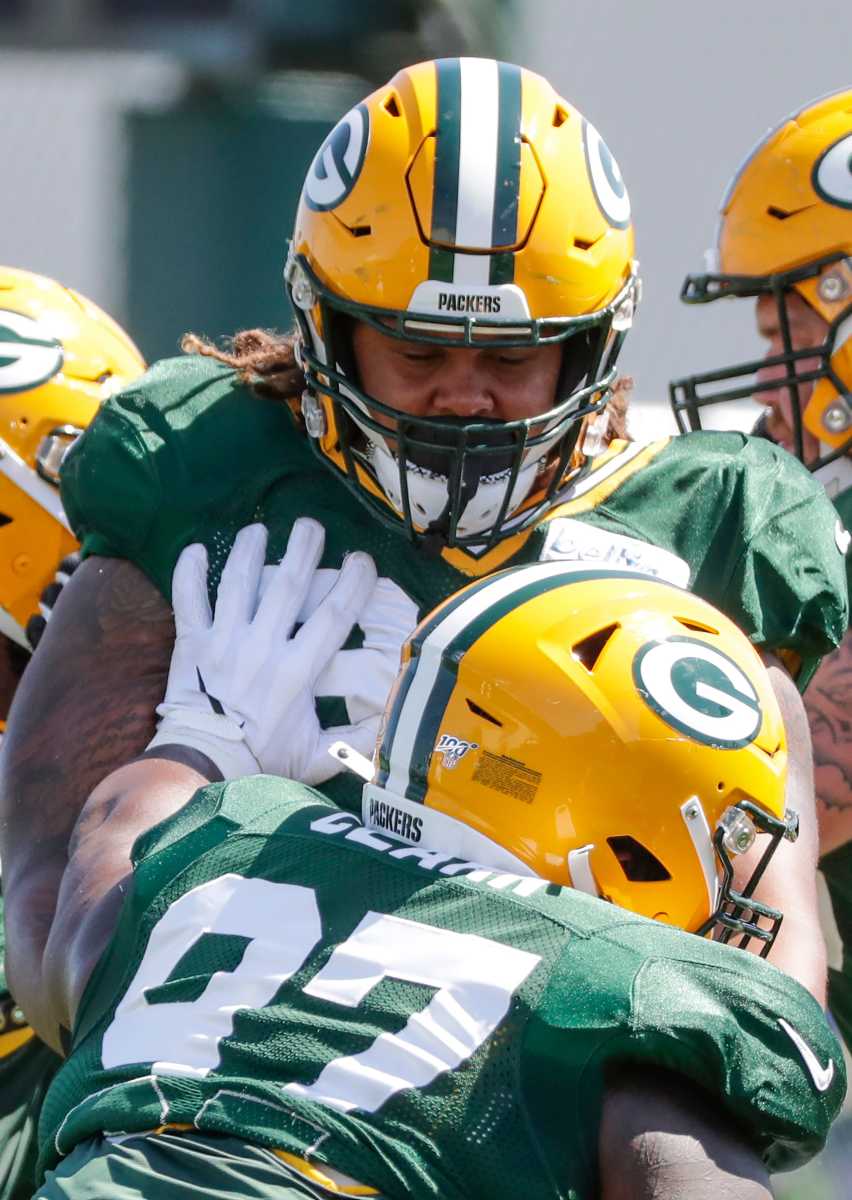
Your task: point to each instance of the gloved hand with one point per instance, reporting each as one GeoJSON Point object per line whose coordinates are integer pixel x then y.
{"type": "Point", "coordinates": [241, 683]}
{"type": "Point", "coordinates": [363, 677]}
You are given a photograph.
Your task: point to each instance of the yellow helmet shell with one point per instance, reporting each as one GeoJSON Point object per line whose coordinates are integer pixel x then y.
{"type": "Point", "coordinates": [60, 357]}
{"type": "Point", "coordinates": [593, 725]}
{"type": "Point", "coordinates": [472, 172]}
{"type": "Point", "coordinates": [788, 206]}
{"type": "Point", "coordinates": [464, 199]}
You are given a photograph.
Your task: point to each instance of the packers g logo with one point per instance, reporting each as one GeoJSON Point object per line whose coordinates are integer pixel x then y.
{"type": "Point", "coordinates": [832, 174]}
{"type": "Point", "coordinates": [606, 178]}
{"type": "Point", "coordinates": [337, 164]}
{"type": "Point", "coordinates": [699, 691]}
{"type": "Point", "coordinates": [29, 355]}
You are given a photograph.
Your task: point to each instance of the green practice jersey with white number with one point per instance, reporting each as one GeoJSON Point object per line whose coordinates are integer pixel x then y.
{"type": "Point", "coordinates": [431, 1028]}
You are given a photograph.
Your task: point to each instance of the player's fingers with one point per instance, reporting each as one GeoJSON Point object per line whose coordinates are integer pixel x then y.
{"type": "Point", "coordinates": [389, 618]}
{"type": "Point", "coordinates": [284, 596]}
{"type": "Point", "coordinates": [236, 598]}
{"type": "Point", "coordinates": [189, 590]}
{"type": "Point", "coordinates": [325, 631]}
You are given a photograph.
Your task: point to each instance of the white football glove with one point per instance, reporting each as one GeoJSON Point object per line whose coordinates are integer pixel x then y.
{"type": "Point", "coordinates": [241, 683]}
{"type": "Point", "coordinates": [363, 678]}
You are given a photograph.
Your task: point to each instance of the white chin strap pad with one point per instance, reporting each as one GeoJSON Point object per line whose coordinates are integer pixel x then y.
{"type": "Point", "coordinates": [428, 492]}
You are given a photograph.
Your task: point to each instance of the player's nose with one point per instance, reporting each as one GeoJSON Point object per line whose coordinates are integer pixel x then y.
{"type": "Point", "coordinates": [462, 389]}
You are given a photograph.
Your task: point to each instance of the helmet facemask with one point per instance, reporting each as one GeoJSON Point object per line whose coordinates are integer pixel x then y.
{"type": "Point", "coordinates": [689, 395]}
{"type": "Point", "coordinates": [451, 481]}
{"type": "Point", "coordinates": [738, 912]}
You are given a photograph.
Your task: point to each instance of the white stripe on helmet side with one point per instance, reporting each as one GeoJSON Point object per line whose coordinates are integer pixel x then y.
{"type": "Point", "coordinates": [429, 659]}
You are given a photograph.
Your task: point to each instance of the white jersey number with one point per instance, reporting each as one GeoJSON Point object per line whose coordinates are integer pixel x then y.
{"type": "Point", "coordinates": [475, 979]}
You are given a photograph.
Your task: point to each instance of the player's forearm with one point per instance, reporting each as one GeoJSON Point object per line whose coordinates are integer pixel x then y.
{"type": "Point", "coordinates": [84, 706]}
{"type": "Point", "coordinates": [789, 883]}
{"type": "Point", "coordinates": [828, 703]}
{"type": "Point", "coordinates": [96, 880]}
{"type": "Point", "coordinates": [660, 1139]}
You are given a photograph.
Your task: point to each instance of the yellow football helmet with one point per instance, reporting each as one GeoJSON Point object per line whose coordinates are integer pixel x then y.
{"type": "Point", "coordinates": [60, 356]}
{"type": "Point", "coordinates": [786, 226]}
{"type": "Point", "coordinates": [464, 200]}
{"type": "Point", "coordinates": [598, 728]}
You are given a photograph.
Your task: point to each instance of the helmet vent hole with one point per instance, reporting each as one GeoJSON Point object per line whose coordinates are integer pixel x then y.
{"type": "Point", "coordinates": [780, 214]}
{"type": "Point", "coordinates": [582, 244]}
{"type": "Point", "coordinates": [480, 712]}
{"type": "Point", "coordinates": [360, 230]}
{"type": "Point", "coordinates": [589, 650]}
{"type": "Point", "coordinates": [696, 626]}
{"type": "Point", "coordinates": [560, 116]}
{"type": "Point", "coordinates": [391, 106]}
{"type": "Point", "coordinates": [636, 861]}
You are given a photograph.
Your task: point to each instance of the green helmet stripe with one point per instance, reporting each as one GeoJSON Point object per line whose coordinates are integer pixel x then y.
{"type": "Point", "coordinates": [445, 189]}
{"type": "Point", "coordinates": [507, 183]}
{"type": "Point", "coordinates": [420, 724]}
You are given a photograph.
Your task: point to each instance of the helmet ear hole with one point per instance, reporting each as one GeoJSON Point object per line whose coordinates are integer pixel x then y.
{"type": "Point", "coordinates": [636, 861]}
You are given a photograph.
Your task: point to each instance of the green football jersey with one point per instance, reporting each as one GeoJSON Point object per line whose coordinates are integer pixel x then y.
{"type": "Point", "coordinates": [433, 1028]}
{"type": "Point", "coordinates": [190, 454]}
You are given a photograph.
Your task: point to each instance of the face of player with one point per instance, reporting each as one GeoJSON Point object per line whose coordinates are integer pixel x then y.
{"type": "Point", "coordinates": [807, 328]}
{"type": "Point", "coordinates": [496, 383]}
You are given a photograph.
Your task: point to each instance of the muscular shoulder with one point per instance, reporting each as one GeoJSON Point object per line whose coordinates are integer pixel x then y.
{"type": "Point", "coordinates": [754, 531]}
{"type": "Point", "coordinates": [260, 804]}
{"type": "Point", "coordinates": [186, 440]}
{"type": "Point", "coordinates": [755, 475]}
{"type": "Point", "coordinates": [743, 1031]}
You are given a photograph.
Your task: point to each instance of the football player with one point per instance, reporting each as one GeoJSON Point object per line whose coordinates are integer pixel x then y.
{"type": "Point", "coordinates": [462, 275]}
{"type": "Point", "coordinates": [785, 240]}
{"type": "Point", "coordinates": [449, 1022]}
{"type": "Point", "coordinates": [60, 357]}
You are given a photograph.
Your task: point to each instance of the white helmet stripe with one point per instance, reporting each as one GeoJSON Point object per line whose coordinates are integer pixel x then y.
{"type": "Point", "coordinates": [427, 665]}
{"type": "Point", "coordinates": [480, 113]}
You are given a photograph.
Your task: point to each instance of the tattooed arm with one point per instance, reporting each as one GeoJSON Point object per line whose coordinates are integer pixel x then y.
{"type": "Point", "coordinates": [828, 702]}
{"type": "Point", "coordinates": [84, 707]}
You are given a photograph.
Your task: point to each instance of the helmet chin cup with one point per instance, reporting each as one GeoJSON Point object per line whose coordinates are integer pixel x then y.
{"type": "Point", "coordinates": [429, 492]}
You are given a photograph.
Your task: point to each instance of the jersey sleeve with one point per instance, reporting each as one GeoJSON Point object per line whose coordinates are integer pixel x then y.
{"type": "Point", "coordinates": [184, 441]}
{"type": "Point", "coordinates": [746, 1034]}
{"type": "Point", "coordinates": [789, 581]}
{"type": "Point", "coordinates": [756, 530]}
